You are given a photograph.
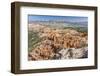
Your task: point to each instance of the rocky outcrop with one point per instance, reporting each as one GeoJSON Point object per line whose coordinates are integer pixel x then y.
{"type": "Point", "coordinates": [42, 52]}
{"type": "Point", "coordinates": [72, 53]}
{"type": "Point", "coordinates": [60, 44]}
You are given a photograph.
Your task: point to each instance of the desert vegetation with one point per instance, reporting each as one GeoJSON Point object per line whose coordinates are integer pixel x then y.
{"type": "Point", "coordinates": [48, 42]}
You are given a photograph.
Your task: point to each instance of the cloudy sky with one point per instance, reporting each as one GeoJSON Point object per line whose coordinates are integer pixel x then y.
{"type": "Point", "coordinates": [57, 18]}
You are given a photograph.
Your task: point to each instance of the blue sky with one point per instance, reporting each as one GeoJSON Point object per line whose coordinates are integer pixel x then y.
{"type": "Point", "coordinates": [57, 18]}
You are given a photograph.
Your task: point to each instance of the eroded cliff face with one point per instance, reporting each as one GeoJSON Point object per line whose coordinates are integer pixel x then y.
{"type": "Point", "coordinates": [60, 44]}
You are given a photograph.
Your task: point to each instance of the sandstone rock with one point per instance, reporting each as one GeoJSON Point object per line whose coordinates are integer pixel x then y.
{"type": "Point", "coordinates": [60, 44]}
{"type": "Point", "coordinates": [42, 52]}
